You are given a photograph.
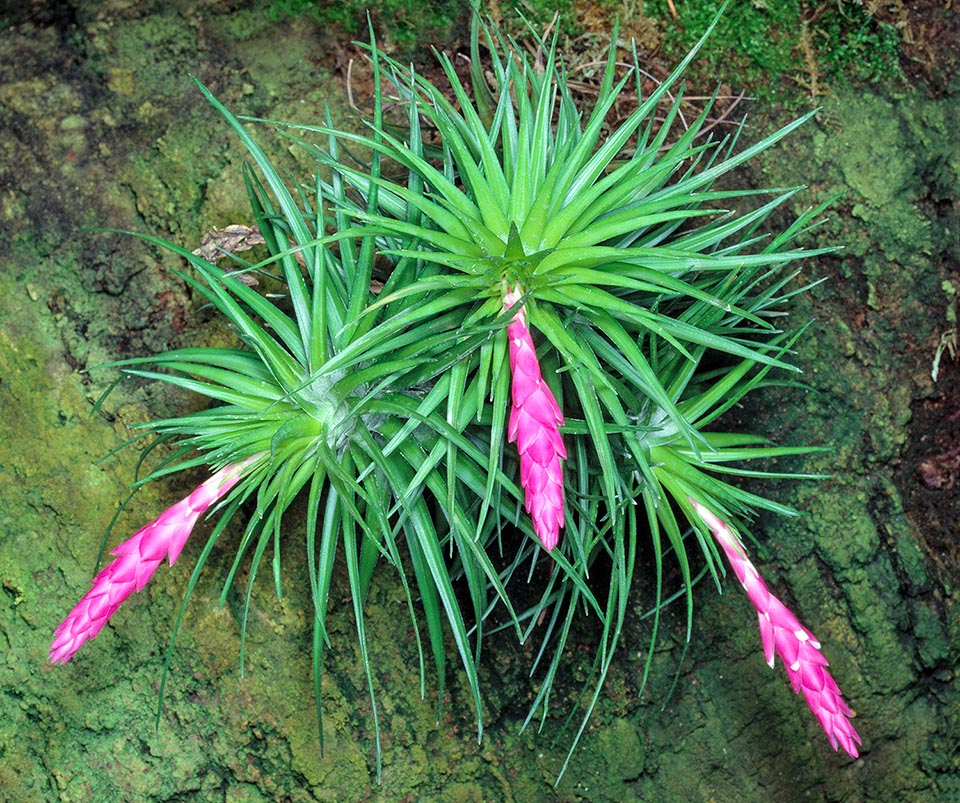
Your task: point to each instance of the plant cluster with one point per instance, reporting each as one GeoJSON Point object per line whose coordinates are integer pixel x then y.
{"type": "Point", "coordinates": [507, 338]}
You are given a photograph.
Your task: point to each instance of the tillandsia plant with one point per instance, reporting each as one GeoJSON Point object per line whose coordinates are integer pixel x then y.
{"type": "Point", "coordinates": [566, 314]}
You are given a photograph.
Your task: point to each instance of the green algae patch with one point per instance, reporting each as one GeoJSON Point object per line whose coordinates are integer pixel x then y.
{"type": "Point", "coordinates": [56, 502]}
{"type": "Point", "coordinates": [607, 764]}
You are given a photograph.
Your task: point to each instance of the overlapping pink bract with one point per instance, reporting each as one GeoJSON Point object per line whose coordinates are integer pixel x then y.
{"type": "Point", "coordinates": [535, 421]}
{"type": "Point", "coordinates": [137, 559]}
{"type": "Point", "coordinates": [797, 647]}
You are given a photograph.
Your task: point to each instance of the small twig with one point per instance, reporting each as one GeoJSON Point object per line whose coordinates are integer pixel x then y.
{"type": "Point", "coordinates": [350, 87]}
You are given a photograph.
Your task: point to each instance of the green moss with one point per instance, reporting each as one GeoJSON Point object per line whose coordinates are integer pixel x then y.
{"type": "Point", "coordinates": [853, 46]}
{"type": "Point", "coordinates": [401, 24]}
{"type": "Point", "coordinates": [757, 36]}
{"type": "Point", "coordinates": [778, 49]}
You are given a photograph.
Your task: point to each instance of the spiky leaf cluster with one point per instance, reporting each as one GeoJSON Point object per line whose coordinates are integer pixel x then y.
{"type": "Point", "coordinates": [656, 309]}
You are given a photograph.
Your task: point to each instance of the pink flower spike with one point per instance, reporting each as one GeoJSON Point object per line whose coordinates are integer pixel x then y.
{"type": "Point", "coordinates": [535, 421]}
{"type": "Point", "coordinates": [782, 633]}
{"type": "Point", "coordinates": [137, 559]}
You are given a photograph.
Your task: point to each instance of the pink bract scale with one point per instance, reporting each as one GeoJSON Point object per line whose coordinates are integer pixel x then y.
{"type": "Point", "coordinates": [137, 558]}
{"type": "Point", "coordinates": [535, 421]}
{"type": "Point", "coordinates": [783, 635]}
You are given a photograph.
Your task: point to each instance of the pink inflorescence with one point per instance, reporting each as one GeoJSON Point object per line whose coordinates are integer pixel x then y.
{"type": "Point", "coordinates": [783, 635]}
{"type": "Point", "coordinates": [137, 559]}
{"type": "Point", "coordinates": [535, 421]}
